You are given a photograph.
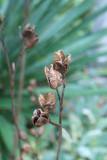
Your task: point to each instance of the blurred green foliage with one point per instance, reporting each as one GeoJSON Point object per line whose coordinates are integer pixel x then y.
{"type": "Point", "coordinates": [65, 25]}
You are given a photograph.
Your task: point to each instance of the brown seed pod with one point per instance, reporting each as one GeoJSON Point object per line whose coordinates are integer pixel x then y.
{"type": "Point", "coordinates": [33, 99]}
{"type": "Point", "coordinates": [60, 63]}
{"type": "Point", "coordinates": [30, 89]}
{"type": "Point", "coordinates": [30, 37]}
{"type": "Point", "coordinates": [33, 83]}
{"type": "Point", "coordinates": [27, 148]}
{"type": "Point", "coordinates": [54, 78]}
{"type": "Point", "coordinates": [41, 130]}
{"type": "Point", "coordinates": [28, 31]}
{"type": "Point", "coordinates": [40, 118]}
{"type": "Point", "coordinates": [32, 131]}
{"type": "Point", "coordinates": [31, 41]}
{"type": "Point", "coordinates": [47, 102]}
{"type": "Point", "coordinates": [23, 135]}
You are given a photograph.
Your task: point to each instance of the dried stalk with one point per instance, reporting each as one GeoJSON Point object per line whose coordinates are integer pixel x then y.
{"type": "Point", "coordinates": [12, 75]}
{"type": "Point", "coordinates": [55, 124]}
{"type": "Point", "coordinates": [13, 112]}
{"type": "Point", "coordinates": [60, 120]}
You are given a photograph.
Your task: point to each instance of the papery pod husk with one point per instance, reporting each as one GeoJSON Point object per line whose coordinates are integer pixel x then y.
{"type": "Point", "coordinates": [47, 102]}
{"type": "Point", "coordinates": [40, 118]}
{"type": "Point", "coordinates": [54, 78]}
{"type": "Point", "coordinates": [31, 42]}
{"type": "Point", "coordinates": [60, 63]}
{"type": "Point", "coordinates": [28, 31]}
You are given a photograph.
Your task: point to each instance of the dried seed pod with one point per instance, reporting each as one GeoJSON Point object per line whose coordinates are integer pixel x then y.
{"type": "Point", "coordinates": [31, 41]}
{"type": "Point", "coordinates": [32, 131]}
{"type": "Point", "coordinates": [47, 102]}
{"type": "Point", "coordinates": [33, 83]}
{"type": "Point", "coordinates": [30, 89]}
{"type": "Point", "coordinates": [30, 37]}
{"type": "Point", "coordinates": [23, 135]}
{"type": "Point", "coordinates": [41, 131]}
{"type": "Point", "coordinates": [54, 78]}
{"type": "Point", "coordinates": [27, 148]}
{"type": "Point", "coordinates": [28, 31]}
{"type": "Point", "coordinates": [61, 63]}
{"type": "Point", "coordinates": [40, 118]}
{"type": "Point", "coordinates": [33, 99]}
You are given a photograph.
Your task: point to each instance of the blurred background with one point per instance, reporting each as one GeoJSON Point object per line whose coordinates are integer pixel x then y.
{"type": "Point", "coordinates": [78, 27]}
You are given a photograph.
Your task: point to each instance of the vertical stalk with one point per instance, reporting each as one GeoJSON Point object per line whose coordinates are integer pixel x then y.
{"type": "Point", "coordinates": [60, 120]}
{"type": "Point", "coordinates": [13, 112]}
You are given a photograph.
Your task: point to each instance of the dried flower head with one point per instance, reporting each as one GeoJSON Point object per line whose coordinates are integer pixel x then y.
{"type": "Point", "coordinates": [61, 63]}
{"type": "Point", "coordinates": [30, 37]}
{"type": "Point", "coordinates": [40, 118]}
{"type": "Point", "coordinates": [47, 102]}
{"type": "Point", "coordinates": [54, 78]}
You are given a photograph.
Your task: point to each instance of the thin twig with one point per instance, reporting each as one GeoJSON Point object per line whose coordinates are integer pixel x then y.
{"type": "Point", "coordinates": [4, 49]}
{"type": "Point", "coordinates": [58, 94]}
{"type": "Point", "coordinates": [55, 124]}
{"type": "Point", "coordinates": [60, 120]}
{"type": "Point", "coordinates": [13, 112]}
{"type": "Point", "coordinates": [12, 75]}
{"type": "Point", "coordinates": [23, 55]}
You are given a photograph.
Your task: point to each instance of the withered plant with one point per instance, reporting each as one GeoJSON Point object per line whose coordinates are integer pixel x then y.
{"type": "Point", "coordinates": [55, 75]}
{"type": "Point", "coordinates": [28, 40]}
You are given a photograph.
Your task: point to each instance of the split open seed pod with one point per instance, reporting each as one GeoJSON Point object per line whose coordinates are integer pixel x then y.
{"type": "Point", "coordinates": [31, 42]}
{"type": "Point", "coordinates": [30, 37]}
{"type": "Point", "coordinates": [40, 118]}
{"type": "Point", "coordinates": [60, 63]}
{"type": "Point", "coordinates": [28, 30]}
{"type": "Point", "coordinates": [54, 78]}
{"type": "Point", "coordinates": [47, 102]}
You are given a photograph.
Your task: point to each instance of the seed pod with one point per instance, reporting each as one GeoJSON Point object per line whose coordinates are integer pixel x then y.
{"type": "Point", "coordinates": [60, 63]}
{"type": "Point", "coordinates": [28, 31]}
{"type": "Point", "coordinates": [40, 118]}
{"type": "Point", "coordinates": [30, 89]}
{"type": "Point", "coordinates": [32, 131]}
{"type": "Point", "coordinates": [41, 131]}
{"type": "Point", "coordinates": [54, 78]}
{"type": "Point", "coordinates": [33, 83]}
{"type": "Point", "coordinates": [23, 135]}
{"type": "Point", "coordinates": [31, 42]}
{"type": "Point", "coordinates": [33, 99]}
{"type": "Point", "coordinates": [30, 37]}
{"type": "Point", "coordinates": [47, 102]}
{"type": "Point", "coordinates": [27, 148]}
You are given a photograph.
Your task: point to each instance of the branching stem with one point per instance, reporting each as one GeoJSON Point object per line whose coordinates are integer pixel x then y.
{"type": "Point", "coordinates": [55, 124]}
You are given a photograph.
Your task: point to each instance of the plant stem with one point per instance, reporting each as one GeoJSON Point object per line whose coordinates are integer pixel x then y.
{"type": "Point", "coordinates": [58, 94]}
{"type": "Point", "coordinates": [13, 112]}
{"type": "Point", "coordinates": [55, 124]}
{"type": "Point", "coordinates": [60, 120]}
{"type": "Point", "coordinates": [5, 51]}
{"type": "Point", "coordinates": [12, 75]}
